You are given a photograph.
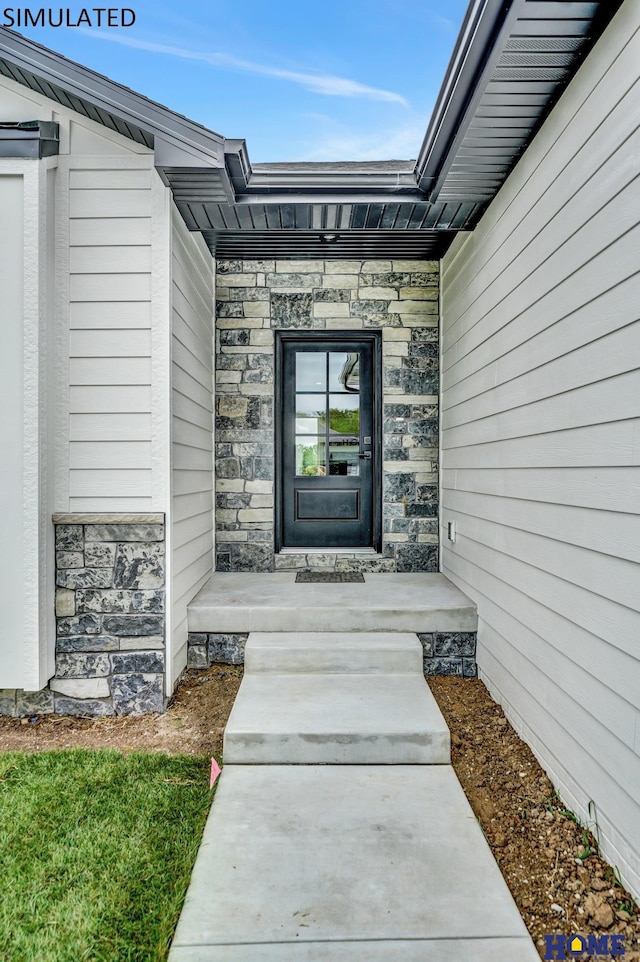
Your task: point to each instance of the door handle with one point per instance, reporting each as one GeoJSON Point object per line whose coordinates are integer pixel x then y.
{"type": "Point", "coordinates": [365, 454]}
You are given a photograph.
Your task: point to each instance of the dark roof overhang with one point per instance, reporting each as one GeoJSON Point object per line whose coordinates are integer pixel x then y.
{"type": "Point", "coordinates": [512, 60]}
{"type": "Point", "coordinates": [179, 144]}
{"type": "Point", "coordinates": [346, 210]}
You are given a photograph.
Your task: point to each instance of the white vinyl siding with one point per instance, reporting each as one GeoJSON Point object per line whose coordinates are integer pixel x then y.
{"type": "Point", "coordinates": [192, 427]}
{"type": "Point", "coordinates": [12, 586]}
{"type": "Point", "coordinates": [110, 348]}
{"type": "Point", "coordinates": [27, 405]}
{"type": "Point", "coordinates": [541, 440]}
{"type": "Point", "coordinates": [112, 314]}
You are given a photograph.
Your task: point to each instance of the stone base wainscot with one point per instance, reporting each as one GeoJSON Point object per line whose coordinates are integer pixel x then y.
{"type": "Point", "coordinates": [445, 652]}
{"type": "Point", "coordinates": [110, 619]}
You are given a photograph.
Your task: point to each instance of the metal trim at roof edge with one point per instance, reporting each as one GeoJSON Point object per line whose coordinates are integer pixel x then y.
{"type": "Point", "coordinates": [512, 60]}
{"type": "Point", "coordinates": [175, 139]}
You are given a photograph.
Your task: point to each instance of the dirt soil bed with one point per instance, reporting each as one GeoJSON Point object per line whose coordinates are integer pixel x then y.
{"type": "Point", "coordinates": [192, 725]}
{"type": "Point", "coordinates": [550, 862]}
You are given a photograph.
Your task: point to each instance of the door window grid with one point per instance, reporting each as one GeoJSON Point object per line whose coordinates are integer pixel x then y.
{"type": "Point", "coordinates": [333, 424]}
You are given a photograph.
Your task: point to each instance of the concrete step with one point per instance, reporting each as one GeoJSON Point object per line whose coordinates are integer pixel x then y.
{"type": "Point", "coordinates": [335, 719]}
{"type": "Point", "coordinates": [346, 864]}
{"type": "Point", "coordinates": [272, 601]}
{"type": "Point", "coordinates": [354, 651]}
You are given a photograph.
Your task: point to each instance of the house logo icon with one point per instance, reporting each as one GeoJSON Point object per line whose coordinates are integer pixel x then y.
{"type": "Point", "coordinates": [562, 947]}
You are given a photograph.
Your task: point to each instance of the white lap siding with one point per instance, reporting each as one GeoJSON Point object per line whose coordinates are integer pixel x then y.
{"type": "Point", "coordinates": [191, 426]}
{"type": "Point", "coordinates": [110, 341]}
{"type": "Point", "coordinates": [541, 441]}
{"type": "Point", "coordinates": [27, 392]}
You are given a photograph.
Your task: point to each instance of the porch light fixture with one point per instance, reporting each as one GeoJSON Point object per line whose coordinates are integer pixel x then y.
{"type": "Point", "coordinates": [329, 238]}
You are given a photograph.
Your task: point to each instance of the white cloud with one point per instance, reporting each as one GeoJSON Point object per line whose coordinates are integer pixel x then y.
{"type": "Point", "coordinates": [325, 84]}
{"type": "Point", "coordinates": [444, 21]}
{"type": "Point", "coordinates": [399, 143]}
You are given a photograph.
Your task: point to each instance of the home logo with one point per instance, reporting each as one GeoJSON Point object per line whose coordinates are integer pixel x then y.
{"type": "Point", "coordinates": [563, 947]}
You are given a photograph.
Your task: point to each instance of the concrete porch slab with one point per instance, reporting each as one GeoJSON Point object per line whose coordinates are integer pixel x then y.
{"type": "Point", "coordinates": [330, 651]}
{"type": "Point", "coordinates": [272, 601]}
{"type": "Point", "coordinates": [336, 719]}
{"type": "Point", "coordinates": [352, 863]}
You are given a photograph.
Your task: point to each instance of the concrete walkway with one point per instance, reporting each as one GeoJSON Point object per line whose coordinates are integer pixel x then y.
{"type": "Point", "coordinates": [362, 858]}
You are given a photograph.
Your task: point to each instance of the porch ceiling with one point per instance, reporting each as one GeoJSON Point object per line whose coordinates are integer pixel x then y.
{"type": "Point", "coordinates": [511, 62]}
{"type": "Point", "coordinates": [349, 245]}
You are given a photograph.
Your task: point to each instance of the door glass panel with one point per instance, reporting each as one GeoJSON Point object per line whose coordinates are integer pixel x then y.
{"type": "Point", "coordinates": [344, 414]}
{"type": "Point", "coordinates": [310, 457]}
{"type": "Point", "coordinates": [310, 413]}
{"type": "Point", "coordinates": [343, 456]}
{"type": "Point", "coordinates": [327, 413]}
{"type": "Point", "coordinates": [311, 371]}
{"type": "Point", "coordinates": [344, 372]}
{"type": "Point", "coordinates": [344, 434]}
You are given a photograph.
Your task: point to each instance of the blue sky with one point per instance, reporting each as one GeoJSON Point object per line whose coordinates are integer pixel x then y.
{"type": "Point", "coordinates": [300, 81]}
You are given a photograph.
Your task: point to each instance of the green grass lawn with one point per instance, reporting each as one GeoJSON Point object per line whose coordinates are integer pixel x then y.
{"type": "Point", "coordinates": [96, 850]}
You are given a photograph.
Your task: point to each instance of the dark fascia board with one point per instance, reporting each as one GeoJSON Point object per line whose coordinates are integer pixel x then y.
{"type": "Point", "coordinates": [37, 139]}
{"type": "Point", "coordinates": [477, 49]}
{"type": "Point", "coordinates": [318, 183]}
{"type": "Point", "coordinates": [178, 141]}
{"type": "Point", "coordinates": [482, 41]}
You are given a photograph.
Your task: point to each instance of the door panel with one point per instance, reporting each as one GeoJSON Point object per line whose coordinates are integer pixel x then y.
{"type": "Point", "coordinates": [327, 441]}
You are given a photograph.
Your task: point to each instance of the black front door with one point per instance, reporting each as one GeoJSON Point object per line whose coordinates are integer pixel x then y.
{"type": "Point", "coordinates": [328, 449]}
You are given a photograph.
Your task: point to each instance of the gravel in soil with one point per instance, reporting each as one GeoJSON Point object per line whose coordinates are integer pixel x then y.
{"type": "Point", "coordinates": [550, 862]}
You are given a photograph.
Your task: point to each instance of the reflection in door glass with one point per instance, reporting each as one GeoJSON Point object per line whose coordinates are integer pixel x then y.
{"type": "Point", "coordinates": [343, 456]}
{"type": "Point", "coordinates": [344, 372]}
{"type": "Point", "coordinates": [310, 457]}
{"type": "Point", "coordinates": [310, 413]}
{"type": "Point", "coordinates": [311, 371]}
{"type": "Point", "coordinates": [344, 414]}
{"type": "Point", "coordinates": [327, 413]}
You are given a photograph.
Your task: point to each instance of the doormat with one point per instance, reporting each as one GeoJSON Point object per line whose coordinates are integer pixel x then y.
{"type": "Point", "coordinates": [328, 577]}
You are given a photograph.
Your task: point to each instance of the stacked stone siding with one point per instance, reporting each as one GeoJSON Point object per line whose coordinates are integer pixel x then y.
{"type": "Point", "coordinates": [205, 649]}
{"type": "Point", "coordinates": [110, 614]}
{"type": "Point", "coordinates": [445, 652]}
{"type": "Point", "coordinates": [450, 653]}
{"type": "Point", "coordinates": [257, 297]}
{"type": "Point", "coordinates": [110, 619]}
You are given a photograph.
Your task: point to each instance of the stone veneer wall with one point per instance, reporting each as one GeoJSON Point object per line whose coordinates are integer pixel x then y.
{"type": "Point", "coordinates": [445, 652]}
{"type": "Point", "coordinates": [257, 297]}
{"type": "Point", "coordinates": [450, 653]}
{"type": "Point", "coordinates": [110, 618]}
{"type": "Point", "coordinates": [204, 650]}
